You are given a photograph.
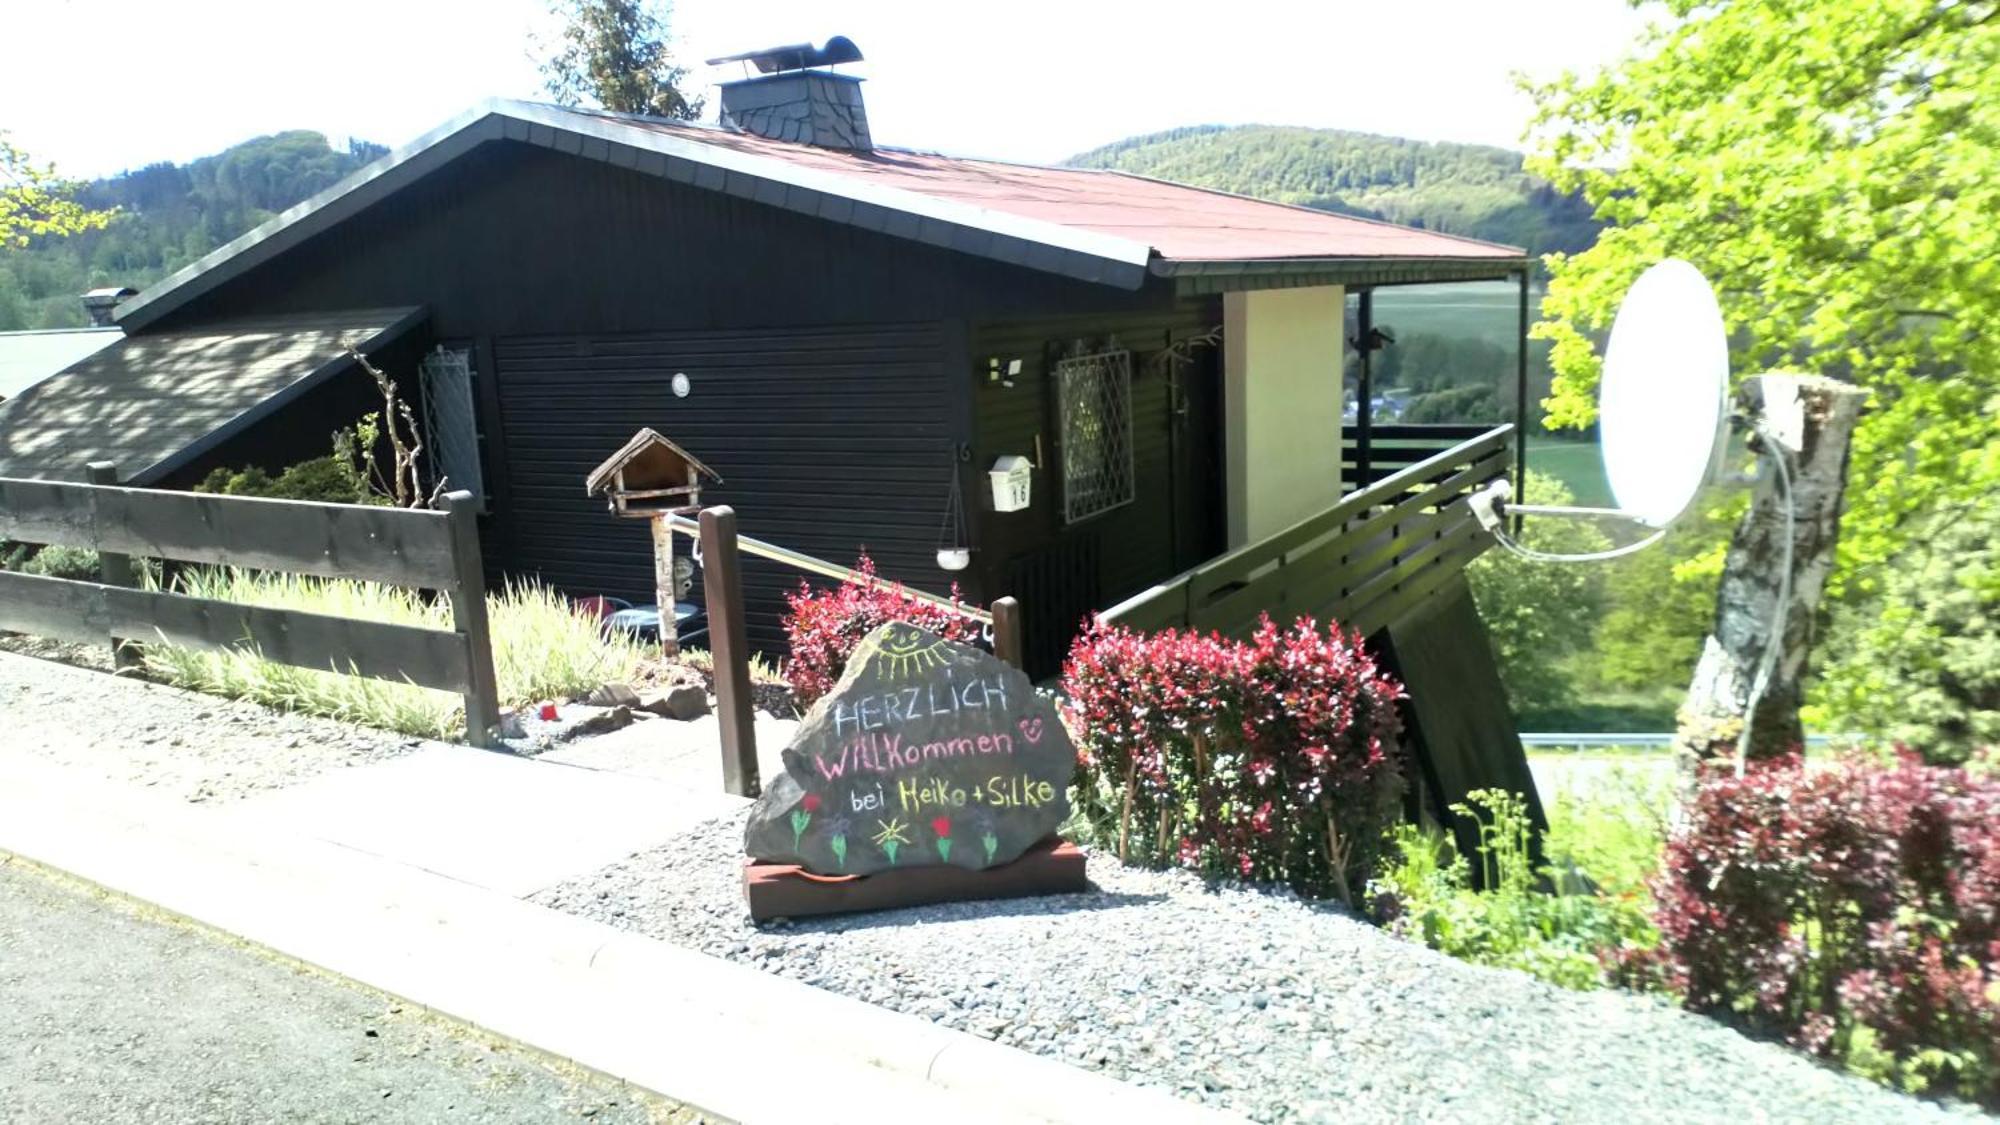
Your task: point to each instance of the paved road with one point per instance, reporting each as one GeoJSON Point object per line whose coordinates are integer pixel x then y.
{"type": "Point", "coordinates": [110, 1015]}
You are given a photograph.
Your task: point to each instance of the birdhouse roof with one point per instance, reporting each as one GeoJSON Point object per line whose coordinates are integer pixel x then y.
{"type": "Point", "coordinates": [650, 453]}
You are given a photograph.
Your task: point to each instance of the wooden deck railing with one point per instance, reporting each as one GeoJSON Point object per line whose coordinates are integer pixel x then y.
{"type": "Point", "coordinates": [435, 550]}
{"type": "Point", "coordinates": [1367, 560]}
{"type": "Point", "coordinates": [1395, 446]}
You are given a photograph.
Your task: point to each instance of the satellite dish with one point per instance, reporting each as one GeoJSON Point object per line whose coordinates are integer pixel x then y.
{"type": "Point", "coordinates": [1661, 412]}
{"type": "Point", "coordinates": [1660, 404]}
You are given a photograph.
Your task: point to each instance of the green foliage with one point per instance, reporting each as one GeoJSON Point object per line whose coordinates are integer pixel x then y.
{"type": "Point", "coordinates": [542, 649]}
{"type": "Point", "coordinates": [1472, 190]}
{"type": "Point", "coordinates": [324, 480]}
{"type": "Point", "coordinates": [163, 216]}
{"type": "Point", "coordinates": [1919, 662]}
{"type": "Point", "coordinates": [1541, 615]}
{"type": "Point", "coordinates": [59, 562]}
{"type": "Point", "coordinates": [1834, 168]}
{"type": "Point", "coordinates": [617, 54]}
{"type": "Point", "coordinates": [1564, 936]}
{"type": "Point", "coordinates": [1662, 601]}
{"type": "Point", "coordinates": [36, 203]}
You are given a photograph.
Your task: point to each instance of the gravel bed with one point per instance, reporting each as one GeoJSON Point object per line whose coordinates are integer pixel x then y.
{"type": "Point", "coordinates": [1251, 1001]}
{"type": "Point", "coordinates": [200, 747]}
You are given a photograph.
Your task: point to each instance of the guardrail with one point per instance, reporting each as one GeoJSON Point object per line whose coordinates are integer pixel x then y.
{"type": "Point", "coordinates": [435, 550]}
{"type": "Point", "coordinates": [1368, 559]}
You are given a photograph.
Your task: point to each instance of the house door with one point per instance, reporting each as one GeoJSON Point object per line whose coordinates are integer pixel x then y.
{"type": "Point", "coordinates": [1194, 428]}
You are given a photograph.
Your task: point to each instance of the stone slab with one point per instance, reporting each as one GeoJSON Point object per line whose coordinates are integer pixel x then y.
{"type": "Point", "coordinates": [784, 890]}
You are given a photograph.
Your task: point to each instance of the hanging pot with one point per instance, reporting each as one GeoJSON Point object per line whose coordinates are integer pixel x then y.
{"type": "Point", "coordinates": [954, 558]}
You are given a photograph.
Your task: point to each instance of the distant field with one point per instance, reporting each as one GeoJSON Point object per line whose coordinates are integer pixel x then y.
{"type": "Point", "coordinates": [1486, 310]}
{"type": "Point", "coordinates": [1573, 462]}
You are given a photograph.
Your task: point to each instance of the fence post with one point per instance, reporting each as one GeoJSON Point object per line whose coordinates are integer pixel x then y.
{"type": "Point", "coordinates": [1007, 632]}
{"type": "Point", "coordinates": [722, 581]}
{"type": "Point", "coordinates": [114, 569]}
{"type": "Point", "coordinates": [468, 617]}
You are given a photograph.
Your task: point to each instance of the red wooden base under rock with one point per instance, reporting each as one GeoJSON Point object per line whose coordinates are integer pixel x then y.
{"type": "Point", "coordinates": [784, 890]}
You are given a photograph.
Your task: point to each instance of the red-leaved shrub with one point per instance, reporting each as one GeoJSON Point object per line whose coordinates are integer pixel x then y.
{"type": "Point", "coordinates": [824, 625]}
{"type": "Point", "coordinates": [1271, 759]}
{"type": "Point", "coordinates": [1852, 907]}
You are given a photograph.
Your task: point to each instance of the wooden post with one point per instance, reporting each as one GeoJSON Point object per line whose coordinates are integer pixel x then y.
{"type": "Point", "coordinates": [663, 585]}
{"type": "Point", "coordinates": [468, 617]}
{"type": "Point", "coordinates": [1007, 632]}
{"type": "Point", "coordinates": [728, 642]}
{"type": "Point", "coordinates": [114, 570]}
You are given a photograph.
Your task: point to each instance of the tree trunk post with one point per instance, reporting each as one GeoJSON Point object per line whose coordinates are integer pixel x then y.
{"type": "Point", "coordinates": [663, 585]}
{"type": "Point", "coordinates": [728, 644]}
{"type": "Point", "coordinates": [1808, 422]}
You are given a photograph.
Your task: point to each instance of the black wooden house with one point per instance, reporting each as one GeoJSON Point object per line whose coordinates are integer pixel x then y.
{"type": "Point", "coordinates": [847, 333]}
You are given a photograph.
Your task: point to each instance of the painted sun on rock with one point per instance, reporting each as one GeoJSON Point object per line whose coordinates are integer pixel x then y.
{"type": "Point", "coordinates": [926, 752]}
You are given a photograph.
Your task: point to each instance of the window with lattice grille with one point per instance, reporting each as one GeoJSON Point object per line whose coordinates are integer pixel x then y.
{"type": "Point", "coordinates": [448, 415]}
{"type": "Point", "coordinates": [1094, 424]}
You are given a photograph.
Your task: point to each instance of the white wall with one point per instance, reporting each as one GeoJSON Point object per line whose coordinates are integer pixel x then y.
{"type": "Point", "coordinates": [1282, 351]}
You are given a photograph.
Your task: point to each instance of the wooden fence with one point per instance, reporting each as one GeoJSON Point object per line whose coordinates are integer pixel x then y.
{"type": "Point", "coordinates": [1365, 561]}
{"type": "Point", "coordinates": [435, 550]}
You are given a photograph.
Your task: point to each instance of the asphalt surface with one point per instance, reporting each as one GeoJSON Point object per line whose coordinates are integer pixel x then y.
{"type": "Point", "coordinates": [109, 1014]}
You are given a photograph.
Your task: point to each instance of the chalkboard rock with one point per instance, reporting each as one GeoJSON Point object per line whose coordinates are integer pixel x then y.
{"type": "Point", "coordinates": [927, 752]}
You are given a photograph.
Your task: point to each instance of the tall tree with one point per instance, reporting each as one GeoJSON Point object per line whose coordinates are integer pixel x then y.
{"type": "Point", "coordinates": [617, 54]}
{"type": "Point", "coordinates": [35, 202]}
{"type": "Point", "coordinates": [1834, 167]}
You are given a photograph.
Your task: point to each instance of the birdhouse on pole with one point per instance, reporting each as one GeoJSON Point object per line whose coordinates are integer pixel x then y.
{"type": "Point", "coordinates": [652, 478]}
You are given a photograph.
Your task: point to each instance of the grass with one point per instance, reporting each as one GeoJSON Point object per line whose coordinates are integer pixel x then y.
{"type": "Point", "coordinates": [542, 649]}
{"type": "Point", "coordinates": [763, 670]}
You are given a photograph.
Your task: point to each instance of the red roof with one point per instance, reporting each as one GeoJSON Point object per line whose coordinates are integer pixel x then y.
{"type": "Point", "coordinates": [1179, 222]}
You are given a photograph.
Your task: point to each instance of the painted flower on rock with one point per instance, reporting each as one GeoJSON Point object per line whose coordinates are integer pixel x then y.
{"type": "Point", "coordinates": [802, 816]}
{"type": "Point", "coordinates": [836, 830]}
{"type": "Point", "coordinates": [942, 826]}
{"type": "Point", "coordinates": [892, 837]}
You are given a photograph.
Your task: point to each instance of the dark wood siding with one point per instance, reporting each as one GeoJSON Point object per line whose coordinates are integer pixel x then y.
{"type": "Point", "coordinates": [829, 441]}
{"type": "Point", "coordinates": [1063, 572]}
{"type": "Point", "coordinates": [512, 239]}
{"type": "Point", "coordinates": [527, 252]}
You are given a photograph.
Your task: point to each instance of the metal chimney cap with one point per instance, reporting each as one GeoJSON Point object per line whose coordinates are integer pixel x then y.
{"type": "Point", "coordinates": [796, 56]}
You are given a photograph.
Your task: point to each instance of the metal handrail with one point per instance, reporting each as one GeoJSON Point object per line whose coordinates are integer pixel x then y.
{"type": "Point", "coordinates": [812, 565]}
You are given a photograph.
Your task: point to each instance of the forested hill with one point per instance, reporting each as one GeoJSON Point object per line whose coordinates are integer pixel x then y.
{"type": "Point", "coordinates": [167, 215]}
{"type": "Point", "coordinates": [1472, 190]}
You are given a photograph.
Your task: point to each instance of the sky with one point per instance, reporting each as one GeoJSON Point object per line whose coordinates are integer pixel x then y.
{"type": "Point", "coordinates": [98, 86]}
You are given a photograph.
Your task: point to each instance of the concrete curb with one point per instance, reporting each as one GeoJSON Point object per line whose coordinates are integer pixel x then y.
{"type": "Point", "coordinates": [713, 1034]}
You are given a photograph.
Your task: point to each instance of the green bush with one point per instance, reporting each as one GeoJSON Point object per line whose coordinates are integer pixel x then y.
{"type": "Point", "coordinates": [542, 649]}
{"type": "Point", "coordinates": [1594, 908]}
{"type": "Point", "coordinates": [62, 562]}
{"type": "Point", "coordinates": [324, 480]}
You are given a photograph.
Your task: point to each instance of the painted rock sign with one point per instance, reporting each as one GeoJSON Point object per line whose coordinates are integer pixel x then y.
{"type": "Point", "coordinates": [926, 752]}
